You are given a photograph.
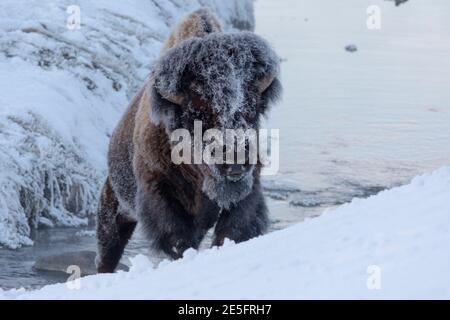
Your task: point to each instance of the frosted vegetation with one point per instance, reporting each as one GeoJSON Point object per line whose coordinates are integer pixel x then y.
{"type": "Point", "coordinates": [63, 92]}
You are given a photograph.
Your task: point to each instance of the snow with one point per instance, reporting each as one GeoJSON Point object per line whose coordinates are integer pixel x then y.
{"type": "Point", "coordinates": [392, 245]}
{"type": "Point", "coordinates": [64, 91]}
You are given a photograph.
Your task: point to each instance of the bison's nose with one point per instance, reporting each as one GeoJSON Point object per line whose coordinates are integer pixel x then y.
{"type": "Point", "coordinates": [235, 172]}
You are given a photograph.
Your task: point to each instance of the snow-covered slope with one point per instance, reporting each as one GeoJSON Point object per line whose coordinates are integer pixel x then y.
{"type": "Point", "coordinates": [63, 91]}
{"type": "Point", "coordinates": [393, 245]}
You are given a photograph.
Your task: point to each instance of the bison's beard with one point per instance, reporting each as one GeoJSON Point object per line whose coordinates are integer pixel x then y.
{"type": "Point", "coordinates": [225, 192]}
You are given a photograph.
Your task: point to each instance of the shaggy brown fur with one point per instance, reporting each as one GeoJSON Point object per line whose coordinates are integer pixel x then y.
{"type": "Point", "coordinates": [197, 24]}
{"type": "Point", "coordinates": [169, 200]}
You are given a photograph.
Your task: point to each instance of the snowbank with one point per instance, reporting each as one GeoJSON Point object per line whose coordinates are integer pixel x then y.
{"type": "Point", "coordinates": [63, 92]}
{"type": "Point", "coordinates": [393, 245]}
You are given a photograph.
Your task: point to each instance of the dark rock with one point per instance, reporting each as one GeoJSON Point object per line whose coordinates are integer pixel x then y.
{"type": "Point", "coordinates": [59, 263]}
{"type": "Point", "coordinates": [398, 2]}
{"type": "Point", "coordinates": [351, 48]}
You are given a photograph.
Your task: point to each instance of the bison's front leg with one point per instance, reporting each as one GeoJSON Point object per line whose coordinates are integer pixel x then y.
{"type": "Point", "coordinates": [165, 222]}
{"type": "Point", "coordinates": [243, 221]}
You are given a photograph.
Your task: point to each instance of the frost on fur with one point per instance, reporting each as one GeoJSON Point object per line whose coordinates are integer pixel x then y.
{"type": "Point", "coordinates": [224, 66]}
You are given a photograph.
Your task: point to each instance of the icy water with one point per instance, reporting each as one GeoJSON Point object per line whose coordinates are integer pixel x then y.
{"type": "Point", "coordinates": [355, 123]}
{"type": "Point", "coordinates": [351, 124]}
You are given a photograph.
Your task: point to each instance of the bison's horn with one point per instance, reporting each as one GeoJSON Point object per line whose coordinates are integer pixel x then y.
{"type": "Point", "coordinates": [265, 83]}
{"type": "Point", "coordinates": [172, 98]}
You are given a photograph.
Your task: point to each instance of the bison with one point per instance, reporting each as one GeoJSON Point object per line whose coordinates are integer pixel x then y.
{"type": "Point", "coordinates": [224, 80]}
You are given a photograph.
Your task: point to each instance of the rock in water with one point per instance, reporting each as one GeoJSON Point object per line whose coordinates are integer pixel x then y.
{"type": "Point", "coordinates": [399, 2]}
{"type": "Point", "coordinates": [351, 48]}
{"type": "Point", "coordinates": [60, 262]}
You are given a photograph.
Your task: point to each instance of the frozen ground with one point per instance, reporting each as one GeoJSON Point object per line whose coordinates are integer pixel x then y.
{"type": "Point", "coordinates": [393, 245]}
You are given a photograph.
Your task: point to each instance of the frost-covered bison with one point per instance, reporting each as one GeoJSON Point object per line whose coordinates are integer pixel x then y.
{"type": "Point", "coordinates": [225, 80]}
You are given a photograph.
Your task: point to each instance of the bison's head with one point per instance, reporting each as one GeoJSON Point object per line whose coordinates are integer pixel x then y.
{"type": "Point", "coordinates": [226, 81]}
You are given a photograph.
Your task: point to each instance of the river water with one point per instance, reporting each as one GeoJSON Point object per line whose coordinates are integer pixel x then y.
{"type": "Point", "coordinates": [351, 124]}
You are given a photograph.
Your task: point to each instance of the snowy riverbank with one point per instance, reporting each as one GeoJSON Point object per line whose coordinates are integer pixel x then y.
{"type": "Point", "coordinates": [392, 245]}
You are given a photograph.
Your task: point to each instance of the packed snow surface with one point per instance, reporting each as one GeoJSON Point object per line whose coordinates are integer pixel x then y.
{"type": "Point", "coordinates": [392, 245]}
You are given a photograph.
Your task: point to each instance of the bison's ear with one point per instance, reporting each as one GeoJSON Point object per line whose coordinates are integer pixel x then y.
{"type": "Point", "coordinates": [270, 95]}
{"type": "Point", "coordinates": [266, 68]}
{"type": "Point", "coordinates": [264, 83]}
{"type": "Point", "coordinates": [169, 70]}
{"type": "Point", "coordinates": [167, 84]}
{"type": "Point", "coordinates": [165, 109]}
